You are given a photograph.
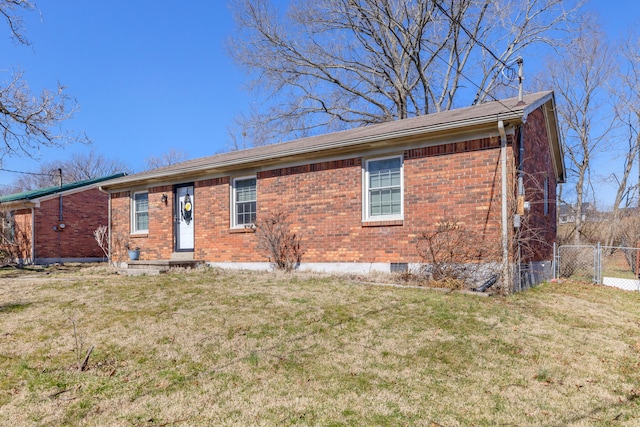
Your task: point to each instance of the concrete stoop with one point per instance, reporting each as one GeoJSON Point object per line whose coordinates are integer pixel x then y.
{"type": "Point", "coordinates": [155, 267]}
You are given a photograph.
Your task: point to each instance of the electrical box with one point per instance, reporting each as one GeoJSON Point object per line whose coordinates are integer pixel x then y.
{"type": "Point", "coordinates": [521, 205]}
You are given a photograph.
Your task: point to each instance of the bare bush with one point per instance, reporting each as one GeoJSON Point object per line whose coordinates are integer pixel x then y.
{"type": "Point", "coordinates": [277, 241]}
{"type": "Point", "coordinates": [453, 255]}
{"type": "Point", "coordinates": [101, 234]}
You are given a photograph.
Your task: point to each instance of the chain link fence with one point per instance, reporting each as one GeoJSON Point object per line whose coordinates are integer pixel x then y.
{"type": "Point", "coordinates": [606, 265]}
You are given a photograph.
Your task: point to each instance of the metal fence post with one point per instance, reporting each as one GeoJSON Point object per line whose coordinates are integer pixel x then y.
{"type": "Point", "coordinates": [638, 260]}
{"type": "Point", "coordinates": [554, 263]}
{"type": "Point", "coordinates": [598, 269]}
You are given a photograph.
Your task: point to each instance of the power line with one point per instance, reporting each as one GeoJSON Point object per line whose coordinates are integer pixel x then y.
{"type": "Point", "coordinates": [471, 36]}
{"type": "Point", "coordinates": [27, 173]}
{"type": "Point", "coordinates": [470, 81]}
{"type": "Point", "coordinates": [512, 71]}
{"type": "Point", "coordinates": [482, 45]}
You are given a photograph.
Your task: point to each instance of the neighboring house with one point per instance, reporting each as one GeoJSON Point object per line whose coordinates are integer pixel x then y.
{"type": "Point", "coordinates": [567, 213]}
{"type": "Point", "coordinates": [359, 199]}
{"type": "Point", "coordinates": [55, 224]}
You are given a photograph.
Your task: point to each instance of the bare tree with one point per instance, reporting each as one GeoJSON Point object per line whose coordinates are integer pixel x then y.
{"type": "Point", "coordinates": [624, 191]}
{"type": "Point", "coordinates": [28, 120]}
{"type": "Point", "coordinates": [169, 158]}
{"type": "Point", "coordinates": [91, 165]}
{"type": "Point", "coordinates": [580, 80]}
{"type": "Point", "coordinates": [333, 64]}
{"type": "Point", "coordinates": [9, 10]}
{"type": "Point", "coordinates": [627, 107]}
{"type": "Point", "coordinates": [79, 167]}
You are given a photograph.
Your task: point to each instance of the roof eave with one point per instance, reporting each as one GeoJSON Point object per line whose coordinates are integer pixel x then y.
{"type": "Point", "coordinates": [557, 153]}
{"type": "Point", "coordinates": [537, 104]}
{"type": "Point", "coordinates": [19, 204]}
{"type": "Point", "coordinates": [345, 145]}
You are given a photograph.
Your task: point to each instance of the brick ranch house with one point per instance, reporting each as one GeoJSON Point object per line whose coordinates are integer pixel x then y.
{"type": "Point", "coordinates": [54, 224]}
{"type": "Point", "coordinates": [359, 199]}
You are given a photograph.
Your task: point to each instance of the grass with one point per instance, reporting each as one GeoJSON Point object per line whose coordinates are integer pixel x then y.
{"type": "Point", "coordinates": [615, 265]}
{"type": "Point", "coordinates": [242, 348]}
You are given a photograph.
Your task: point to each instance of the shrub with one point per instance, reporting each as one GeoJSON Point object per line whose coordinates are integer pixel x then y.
{"type": "Point", "coordinates": [276, 240]}
{"type": "Point", "coordinates": [453, 255]}
{"type": "Point", "coordinates": [101, 234]}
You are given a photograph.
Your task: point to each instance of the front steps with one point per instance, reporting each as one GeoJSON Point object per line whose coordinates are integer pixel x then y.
{"type": "Point", "coordinates": [154, 267]}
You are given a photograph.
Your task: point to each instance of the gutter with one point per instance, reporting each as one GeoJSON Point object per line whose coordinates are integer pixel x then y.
{"type": "Point", "coordinates": [517, 115]}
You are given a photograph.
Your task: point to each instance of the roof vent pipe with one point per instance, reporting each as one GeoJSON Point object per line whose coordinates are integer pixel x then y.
{"type": "Point", "coordinates": [520, 61]}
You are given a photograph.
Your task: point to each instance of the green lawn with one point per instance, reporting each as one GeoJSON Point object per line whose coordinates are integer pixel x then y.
{"type": "Point", "coordinates": [244, 348]}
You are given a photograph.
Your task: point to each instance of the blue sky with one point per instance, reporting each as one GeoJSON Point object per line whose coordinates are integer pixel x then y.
{"type": "Point", "coordinates": [151, 76]}
{"type": "Point", "coordinates": [148, 76]}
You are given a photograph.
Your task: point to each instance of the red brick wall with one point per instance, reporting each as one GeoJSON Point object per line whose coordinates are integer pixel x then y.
{"type": "Point", "coordinates": [120, 214]}
{"type": "Point", "coordinates": [215, 241]}
{"type": "Point", "coordinates": [463, 187]}
{"type": "Point", "coordinates": [539, 231]}
{"type": "Point", "coordinates": [82, 213]}
{"type": "Point", "coordinates": [324, 204]}
{"type": "Point", "coordinates": [459, 182]}
{"type": "Point", "coordinates": [159, 243]}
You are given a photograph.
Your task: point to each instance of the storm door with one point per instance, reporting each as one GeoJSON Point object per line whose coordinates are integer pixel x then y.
{"type": "Point", "coordinates": [184, 217]}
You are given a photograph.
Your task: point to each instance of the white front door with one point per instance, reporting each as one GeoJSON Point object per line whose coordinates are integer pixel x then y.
{"type": "Point", "coordinates": [184, 218]}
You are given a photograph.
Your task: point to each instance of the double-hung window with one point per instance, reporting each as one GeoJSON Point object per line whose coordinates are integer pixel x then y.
{"type": "Point", "coordinates": [140, 213]}
{"type": "Point", "coordinates": [383, 189]}
{"type": "Point", "coordinates": [244, 202]}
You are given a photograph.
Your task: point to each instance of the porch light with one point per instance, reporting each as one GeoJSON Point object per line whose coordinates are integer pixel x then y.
{"type": "Point", "coordinates": [164, 199]}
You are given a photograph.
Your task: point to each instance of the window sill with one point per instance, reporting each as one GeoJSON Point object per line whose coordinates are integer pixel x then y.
{"type": "Point", "coordinates": [138, 235]}
{"type": "Point", "coordinates": [242, 230]}
{"type": "Point", "coordinates": [388, 223]}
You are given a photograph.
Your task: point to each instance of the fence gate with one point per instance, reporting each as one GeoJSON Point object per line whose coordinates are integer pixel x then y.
{"type": "Point", "coordinates": [579, 262]}
{"type": "Point", "coordinates": [606, 265]}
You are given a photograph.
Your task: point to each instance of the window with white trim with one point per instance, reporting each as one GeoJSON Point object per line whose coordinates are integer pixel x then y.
{"type": "Point", "coordinates": [244, 202]}
{"type": "Point", "coordinates": [140, 212]}
{"type": "Point", "coordinates": [383, 189]}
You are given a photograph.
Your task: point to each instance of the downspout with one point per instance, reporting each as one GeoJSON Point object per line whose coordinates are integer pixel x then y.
{"type": "Point", "coordinates": [521, 207]}
{"type": "Point", "coordinates": [520, 163]}
{"type": "Point", "coordinates": [60, 218]}
{"type": "Point", "coordinates": [33, 235]}
{"type": "Point", "coordinates": [506, 282]}
{"type": "Point", "coordinates": [109, 262]}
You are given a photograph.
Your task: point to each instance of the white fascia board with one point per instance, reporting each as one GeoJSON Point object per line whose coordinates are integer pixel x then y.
{"type": "Point", "coordinates": [535, 105]}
